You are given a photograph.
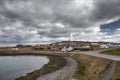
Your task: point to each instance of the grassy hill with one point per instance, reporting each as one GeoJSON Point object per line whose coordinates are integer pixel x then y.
{"type": "Point", "coordinates": [112, 52]}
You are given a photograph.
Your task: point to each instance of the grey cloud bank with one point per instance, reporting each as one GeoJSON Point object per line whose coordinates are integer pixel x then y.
{"type": "Point", "coordinates": [45, 21]}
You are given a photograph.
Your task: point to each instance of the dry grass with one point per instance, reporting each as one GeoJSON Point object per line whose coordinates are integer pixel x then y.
{"type": "Point", "coordinates": [94, 67]}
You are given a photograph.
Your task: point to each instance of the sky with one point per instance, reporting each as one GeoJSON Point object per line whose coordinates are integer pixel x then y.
{"type": "Point", "coordinates": [47, 21]}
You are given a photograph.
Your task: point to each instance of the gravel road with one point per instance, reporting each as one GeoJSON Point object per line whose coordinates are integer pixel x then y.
{"type": "Point", "coordinates": [111, 73]}
{"type": "Point", "coordinates": [65, 73]}
{"type": "Point", "coordinates": [97, 54]}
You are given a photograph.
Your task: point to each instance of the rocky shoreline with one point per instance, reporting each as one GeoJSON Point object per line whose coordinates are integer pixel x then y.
{"type": "Point", "coordinates": [65, 73]}
{"type": "Point", "coordinates": [88, 67]}
{"type": "Point", "coordinates": [55, 63]}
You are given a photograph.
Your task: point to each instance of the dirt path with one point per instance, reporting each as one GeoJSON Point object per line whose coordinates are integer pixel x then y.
{"type": "Point", "coordinates": [111, 73]}
{"type": "Point", "coordinates": [65, 73]}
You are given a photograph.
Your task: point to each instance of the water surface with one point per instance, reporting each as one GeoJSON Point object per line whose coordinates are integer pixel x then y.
{"type": "Point", "coordinates": [12, 67]}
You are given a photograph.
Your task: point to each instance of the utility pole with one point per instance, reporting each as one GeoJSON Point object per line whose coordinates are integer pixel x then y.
{"type": "Point", "coordinates": [70, 36]}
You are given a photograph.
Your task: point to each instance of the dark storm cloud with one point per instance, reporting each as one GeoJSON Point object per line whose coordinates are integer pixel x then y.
{"type": "Point", "coordinates": [56, 33]}
{"type": "Point", "coordinates": [61, 11]}
{"type": "Point", "coordinates": [23, 21]}
{"type": "Point", "coordinates": [106, 9]}
{"type": "Point", "coordinates": [40, 10]}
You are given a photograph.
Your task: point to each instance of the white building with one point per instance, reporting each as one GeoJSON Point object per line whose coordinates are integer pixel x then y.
{"type": "Point", "coordinates": [64, 49]}
{"type": "Point", "coordinates": [114, 45]}
{"type": "Point", "coordinates": [104, 46]}
{"type": "Point", "coordinates": [85, 46]}
{"type": "Point", "coordinates": [69, 48]}
{"type": "Point", "coordinates": [15, 49]}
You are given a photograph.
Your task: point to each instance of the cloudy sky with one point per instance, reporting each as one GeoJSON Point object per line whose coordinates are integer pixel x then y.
{"type": "Point", "coordinates": [46, 21]}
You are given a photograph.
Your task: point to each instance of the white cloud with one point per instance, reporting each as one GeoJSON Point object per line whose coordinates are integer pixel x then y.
{"type": "Point", "coordinates": [85, 6]}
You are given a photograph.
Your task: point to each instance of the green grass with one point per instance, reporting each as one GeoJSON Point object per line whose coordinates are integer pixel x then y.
{"type": "Point", "coordinates": [80, 69]}
{"type": "Point", "coordinates": [112, 52]}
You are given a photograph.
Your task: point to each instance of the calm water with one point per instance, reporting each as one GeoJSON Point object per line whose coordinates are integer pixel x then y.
{"type": "Point", "coordinates": [12, 67]}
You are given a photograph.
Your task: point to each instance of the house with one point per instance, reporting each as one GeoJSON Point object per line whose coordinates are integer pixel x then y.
{"type": "Point", "coordinates": [69, 49]}
{"type": "Point", "coordinates": [64, 49]}
{"type": "Point", "coordinates": [94, 44]}
{"type": "Point", "coordinates": [83, 48]}
{"type": "Point", "coordinates": [14, 49]}
{"type": "Point", "coordinates": [104, 46]}
{"type": "Point", "coordinates": [55, 49]}
{"type": "Point", "coordinates": [114, 45]}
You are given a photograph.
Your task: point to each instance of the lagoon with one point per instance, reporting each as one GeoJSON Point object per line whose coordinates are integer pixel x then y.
{"type": "Point", "coordinates": [12, 67]}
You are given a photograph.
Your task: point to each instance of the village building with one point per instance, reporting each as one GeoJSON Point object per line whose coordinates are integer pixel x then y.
{"type": "Point", "coordinates": [114, 45]}
{"type": "Point", "coordinates": [64, 49]}
{"type": "Point", "coordinates": [69, 49]}
{"type": "Point", "coordinates": [14, 49]}
{"type": "Point", "coordinates": [104, 46]}
{"type": "Point", "coordinates": [83, 48]}
{"type": "Point", "coordinates": [95, 44]}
